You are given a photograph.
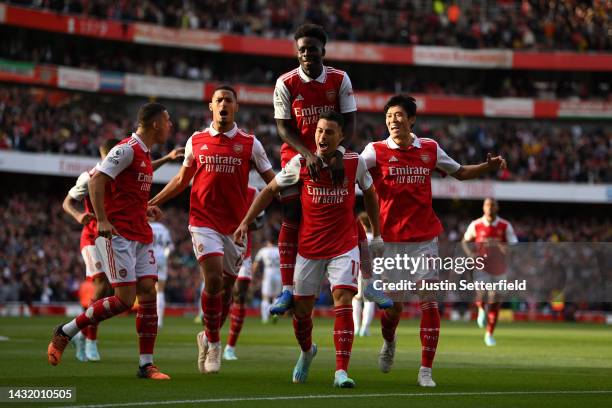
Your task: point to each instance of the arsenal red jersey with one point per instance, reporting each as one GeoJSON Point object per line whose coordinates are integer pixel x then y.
{"type": "Point", "coordinates": [402, 177]}
{"type": "Point", "coordinates": [486, 235]}
{"type": "Point", "coordinates": [129, 164]}
{"type": "Point", "coordinates": [327, 228]}
{"type": "Point", "coordinates": [219, 197]}
{"type": "Point", "coordinates": [303, 99]}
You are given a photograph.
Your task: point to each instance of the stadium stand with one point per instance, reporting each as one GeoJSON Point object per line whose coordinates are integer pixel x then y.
{"type": "Point", "coordinates": [503, 24]}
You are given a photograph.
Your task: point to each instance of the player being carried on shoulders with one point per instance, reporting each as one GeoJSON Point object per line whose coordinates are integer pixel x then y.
{"type": "Point", "coordinates": [300, 96]}
{"type": "Point", "coordinates": [328, 244]}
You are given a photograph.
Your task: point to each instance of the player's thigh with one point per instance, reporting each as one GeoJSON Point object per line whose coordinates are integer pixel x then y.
{"type": "Point", "coordinates": [120, 254]}
{"type": "Point", "coordinates": [206, 243]}
{"type": "Point", "coordinates": [308, 276]}
{"type": "Point", "coordinates": [418, 261]}
{"type": "Point", "coordinates": [233, 255]}
{"type": "Point", "coordinates": [146, 264]}
{"type": "Point", "coordinates": [343, 271]}
{"type": "Point", "coordinates": [94, 262]}
{"type": "Point", "coordinates": [245, 272]}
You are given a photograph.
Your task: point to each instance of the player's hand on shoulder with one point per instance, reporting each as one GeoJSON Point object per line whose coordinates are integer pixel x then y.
{"type": "Point", "coordinates": [314, 164]}
{"type": "Point", "coordinates": [177, 153]}
{"type": "Point", "coordinates": [154, 212]}
{"type": "Point", "coordinates": [106, 229]}
{"type": "Point", "coordinates": [86, 217]}
{"type": "Point", "coordinates": [336, 166]}
{"type": "Point", "coordinates": [496, 162]}
{"type": "Point", "coordinates": [377, 247]}
{"type": "Point", "coordinates": [241, 233]}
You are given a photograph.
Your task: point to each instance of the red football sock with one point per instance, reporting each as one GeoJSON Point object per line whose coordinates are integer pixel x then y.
{"type": "Point", "coordinates": [211, 307]}
{"type": "Point", "coordinates": [430, 331]}
{"type": "Point", "coordinates": [388, 324]}
{"type": "Point", "coordinates": [101, 310]}
{"type": "Point", "coordinates": [287, 250]}
{"type": "Point", "coordinates": [302, 327]}
{"type": "Point", "coordinates": [226, 301]}
{"type": "Point", "coordinates": [91, 332]}
{"type": "Point", "coordinates": [146, 326]}
{"type": "Point", "coordinates": [236, 321]}
{"type": "Point", "coordinates": [343, 336]}
{"type": "Point", "coordinates": [364, 252]}
{"type": "Point", "coordinates": [492, 314]}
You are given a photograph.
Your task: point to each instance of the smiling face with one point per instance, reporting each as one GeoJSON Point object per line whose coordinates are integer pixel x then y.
{"type": "Point", "coordinates": [224, 107]}
{"type": "Point", "coordinates": [399, 124]}
{"type": "Point", "coordinates": [328, 136]}
{"type": "Point", "coordinates": [310, 53]}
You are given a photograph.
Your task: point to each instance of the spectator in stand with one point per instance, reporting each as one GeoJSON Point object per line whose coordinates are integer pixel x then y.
{"type": "Point", "coordinates": [526, 24]}
{"type": "Point", "coordinates": [34, 119]}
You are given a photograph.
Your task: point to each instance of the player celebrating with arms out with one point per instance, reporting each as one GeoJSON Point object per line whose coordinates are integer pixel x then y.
{"type": "Point", "coordinates": [126, 238]}
{"type": "Point", "coordinates": [218, 159]}
{"type": "Point", "coordinates": [300, 96]}
{"type": "Point", "coordinates": [401, 167]}
{"type": "Point", "coordinates": [327, 244]}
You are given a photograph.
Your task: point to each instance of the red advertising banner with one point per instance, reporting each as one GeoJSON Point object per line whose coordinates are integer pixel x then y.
{"type": "Point", "coordinates": [337, 50]}
{"type": "Point", "coordinates": [144, 85]}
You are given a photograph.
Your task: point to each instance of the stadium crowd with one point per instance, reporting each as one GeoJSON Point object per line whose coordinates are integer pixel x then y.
{"type": "Point", "coordinates": [40, 259]}
{"type": "Point", "coordinates": [526, 24]}
{"type": "Point", "coordinates": [37, 120]}
{"type": "Point", "coordinates": [48, 48]}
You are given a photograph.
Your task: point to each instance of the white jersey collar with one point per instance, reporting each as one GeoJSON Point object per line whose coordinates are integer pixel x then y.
{"type": "Point", "coordinates": [416, 142]}
{"type": "Point", "coordinates": [305, 78]}
{"type": "Point", "coordinates": [229, 133]}
{"type": "Point", "coordinates": [140, 142]}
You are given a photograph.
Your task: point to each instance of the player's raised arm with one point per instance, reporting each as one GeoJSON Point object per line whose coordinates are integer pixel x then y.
{"type": "Point", "coordinates": [175, 186]}
{"type": "Point", "coordinates": [180, 181]}
{"type": "Point", "coordinates": [177, 153]}
{"type": "Point", "coordinates": [472, 171]}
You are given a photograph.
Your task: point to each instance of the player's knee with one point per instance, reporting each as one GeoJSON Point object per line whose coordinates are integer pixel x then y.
{"type": "Point", "coordinates": [213, 284]}
{"type": "Point", "coordinates": [127, 295]}
{"type": "Point", "coordinates": [343, 297]}
{"type": "Point", "coordinates": [302, 309]}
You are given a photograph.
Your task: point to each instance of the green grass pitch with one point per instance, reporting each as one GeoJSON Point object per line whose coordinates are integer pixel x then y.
{"type": "Point", "coordinates": [539, 365]}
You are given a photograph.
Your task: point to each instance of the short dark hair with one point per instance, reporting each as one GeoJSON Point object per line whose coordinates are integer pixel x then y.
{"type": "Point", "coordinates": [226, 88]}
{"type": "Point", "coordinates": [311, 30]}
{"type": "Point", "coordinates": [108, 145]}
{"type": "Point", "coordinates": [149, 112]}
{"type": "Point", "coordinates": [334, 117]}
{"type": "Point", "coordinates": [405, 101]}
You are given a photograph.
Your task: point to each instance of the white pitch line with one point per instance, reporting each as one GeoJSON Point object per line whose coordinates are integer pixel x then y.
{"type": "Point", "coordinates": [330, 396]}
